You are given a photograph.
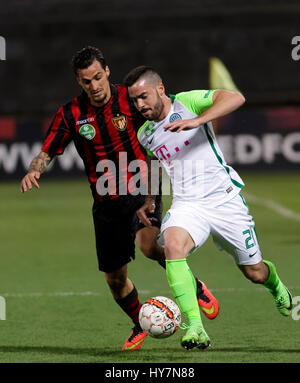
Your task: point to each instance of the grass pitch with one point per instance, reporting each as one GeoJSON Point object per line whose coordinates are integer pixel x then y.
{"type": "Point", "coordinates": [59, 308]}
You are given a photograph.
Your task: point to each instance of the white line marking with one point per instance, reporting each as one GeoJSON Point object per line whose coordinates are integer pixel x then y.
{"type": "Point", "coordinates": [142, 292]}
{"type": "Point", "coordinates": [281, 210]}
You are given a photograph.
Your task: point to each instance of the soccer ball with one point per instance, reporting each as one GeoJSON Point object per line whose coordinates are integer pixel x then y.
{"type": "Point", "coordinates": [159, 317]}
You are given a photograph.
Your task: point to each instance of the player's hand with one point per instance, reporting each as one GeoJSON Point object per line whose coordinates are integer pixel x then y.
{"type": "Point", "coordinates": [29, 180]}
{"type": "Point", "coordinates": [148, 207]}
{"type": "Point", "coordinates": [179, 125]}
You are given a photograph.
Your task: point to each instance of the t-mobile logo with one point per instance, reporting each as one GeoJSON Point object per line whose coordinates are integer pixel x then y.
{"type": "Point", "coordinates": [162, 153]}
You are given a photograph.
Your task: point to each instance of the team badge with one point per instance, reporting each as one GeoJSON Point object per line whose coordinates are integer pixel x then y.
{"type": "Point", "coordinates": [120, 122]}
{"type": "Point", "coordinates": [175, 117]}
{"type": "Point", "coordinates": [87, 131]}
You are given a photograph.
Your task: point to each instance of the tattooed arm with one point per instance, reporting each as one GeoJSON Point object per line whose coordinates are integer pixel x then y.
{"type": "Point", "coordinates": [37, 167]}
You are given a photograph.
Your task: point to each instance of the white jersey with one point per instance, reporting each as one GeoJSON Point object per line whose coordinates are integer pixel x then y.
{"type": "Point", "coordinates": [192, 158]}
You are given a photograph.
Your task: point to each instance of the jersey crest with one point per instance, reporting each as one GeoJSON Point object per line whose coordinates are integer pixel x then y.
{"type": "Point", "coordinates": [120, 122]}
{"type": "Point", "coordinates": [175, 117]}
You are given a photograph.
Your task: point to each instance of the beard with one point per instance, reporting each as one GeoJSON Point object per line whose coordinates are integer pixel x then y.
{"type": "Point", "coordinates": [157, 109]}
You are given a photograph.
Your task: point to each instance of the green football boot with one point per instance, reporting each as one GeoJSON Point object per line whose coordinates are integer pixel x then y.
{"type": "Point", "coordinates": [280, 293]}
{"type": "Point", "coordinates": [283, 300]}
{"type": "Point", "coordinates": [195, 337]}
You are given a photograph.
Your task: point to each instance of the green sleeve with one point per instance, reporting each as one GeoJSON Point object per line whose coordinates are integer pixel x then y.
{"type": "Point", "coordinates": [141, 140]}
{"type": "Point", "coordinates": [196, 101]}
{"type": "Point", "coordinates": [150, 154]}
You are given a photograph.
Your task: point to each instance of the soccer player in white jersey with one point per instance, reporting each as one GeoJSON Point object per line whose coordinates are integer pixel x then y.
{"type": "Point", "coordinates": [206, 191]}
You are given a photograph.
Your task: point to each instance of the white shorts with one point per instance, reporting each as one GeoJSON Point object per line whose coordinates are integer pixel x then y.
{"type": "Point", "coordinates": [230, 224]}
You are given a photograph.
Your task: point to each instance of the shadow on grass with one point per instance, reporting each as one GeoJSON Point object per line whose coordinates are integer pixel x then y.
{"type": "Point", "coordinates": [175, 353]}
{"type": "Point", "coordinates": [61, 350]}
{"type": "Point", "coordinates": [102, 354]}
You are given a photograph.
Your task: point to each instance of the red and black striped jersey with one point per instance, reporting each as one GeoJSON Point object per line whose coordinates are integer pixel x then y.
{"type": "Point", "coordinates": [101, 134]}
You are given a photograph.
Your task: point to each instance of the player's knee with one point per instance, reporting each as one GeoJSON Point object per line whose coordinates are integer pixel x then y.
{"type": "Point", "coordinates": [173, 248]}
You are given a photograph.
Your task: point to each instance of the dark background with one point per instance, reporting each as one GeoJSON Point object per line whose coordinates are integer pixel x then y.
{"type": "Point", "coordinates": [252, 38]}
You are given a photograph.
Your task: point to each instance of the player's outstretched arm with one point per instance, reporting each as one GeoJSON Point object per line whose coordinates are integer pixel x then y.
{"type": "Point", "coordinates": [37, 167]}
{"type": "Point", "coordinates": [224, 102]}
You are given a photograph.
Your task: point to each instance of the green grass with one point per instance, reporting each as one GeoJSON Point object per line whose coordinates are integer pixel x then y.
{"type": "Point", "coordinates": [47, 248]}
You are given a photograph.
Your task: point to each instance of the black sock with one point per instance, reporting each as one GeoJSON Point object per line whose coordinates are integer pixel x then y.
{"type": "Point", "coordinates": [131, 305]}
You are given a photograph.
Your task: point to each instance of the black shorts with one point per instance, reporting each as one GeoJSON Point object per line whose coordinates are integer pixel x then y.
{"type": "Point", "coordinates": [116, 224]}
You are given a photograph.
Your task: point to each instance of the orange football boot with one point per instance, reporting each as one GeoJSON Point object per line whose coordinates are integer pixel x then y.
{"type": "Point", "coordinates": [206, 301]}
{"type": "Point", "coordinates": [135, 340]}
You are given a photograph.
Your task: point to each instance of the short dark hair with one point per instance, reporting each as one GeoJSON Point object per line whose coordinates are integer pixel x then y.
{"type": "Point", "coordinates": [86, 56]}
{"type": "Point", "coordinates": [136, 73]}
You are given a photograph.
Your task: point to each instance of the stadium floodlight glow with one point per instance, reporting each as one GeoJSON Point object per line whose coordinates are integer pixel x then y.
{"type": "Point", "coordinates": [2, 48]}
{"type": "Point", "coordinates": [296, 49]}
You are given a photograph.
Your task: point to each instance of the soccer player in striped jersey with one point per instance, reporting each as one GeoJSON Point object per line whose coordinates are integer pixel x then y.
{"type": "Point", "coordinates": [103, 123]}
{"type": "Point", "coordinates": [206, 191]}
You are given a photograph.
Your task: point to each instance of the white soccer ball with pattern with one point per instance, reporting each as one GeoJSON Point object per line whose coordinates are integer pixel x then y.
{"type": "Point", "coordinates": [159, 317]}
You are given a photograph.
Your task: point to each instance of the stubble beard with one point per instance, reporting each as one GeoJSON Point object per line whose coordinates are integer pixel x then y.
{"type": "Point", "coordinates": [157, 110]}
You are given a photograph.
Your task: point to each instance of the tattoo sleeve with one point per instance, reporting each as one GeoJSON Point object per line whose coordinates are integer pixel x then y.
{"type": "Point", "coordinates": [40, 163]}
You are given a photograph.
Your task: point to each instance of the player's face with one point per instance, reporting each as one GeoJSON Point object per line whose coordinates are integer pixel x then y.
{"type": "Point", "coordinates": [94, 81]}
{"type": "Point", "coordinates": [147, 99]}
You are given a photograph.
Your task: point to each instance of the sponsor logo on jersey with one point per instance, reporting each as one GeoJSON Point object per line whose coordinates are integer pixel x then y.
{"type": "Point", "coordinates": [149, 129]}
{"type": "Point", "coordinates": [163, 154]}
{"type": "Point", "coordinates": [120, 122]}
{"type": "Point", "coordinates": [175, 117]}
{"type": "Point", "coordinates": [87, 131]}
{"type": "Point", "coordinates": [80, 122]}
